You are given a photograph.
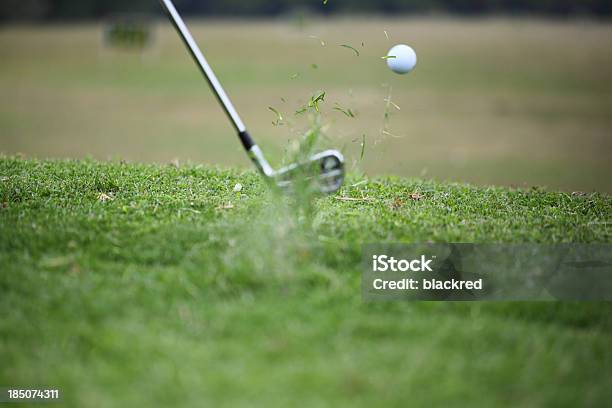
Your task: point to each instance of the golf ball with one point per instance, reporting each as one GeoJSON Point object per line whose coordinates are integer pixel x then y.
{"type": "Point", "coordinates": [401, 59]}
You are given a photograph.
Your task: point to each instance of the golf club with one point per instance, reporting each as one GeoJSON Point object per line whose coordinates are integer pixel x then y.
{"type": "Point", "coordinates": [325, 169]}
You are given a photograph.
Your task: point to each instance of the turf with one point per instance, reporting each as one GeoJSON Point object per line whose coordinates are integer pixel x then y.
{"type": "Point", "coordinates": [143, 285]}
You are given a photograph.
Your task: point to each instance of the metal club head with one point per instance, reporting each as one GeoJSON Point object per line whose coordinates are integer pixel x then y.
{"type": "Point", "coordinates": [325, 171]}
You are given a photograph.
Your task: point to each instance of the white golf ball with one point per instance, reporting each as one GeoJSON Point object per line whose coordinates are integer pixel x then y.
{"type": "Point", "coordinates": [405, 59]}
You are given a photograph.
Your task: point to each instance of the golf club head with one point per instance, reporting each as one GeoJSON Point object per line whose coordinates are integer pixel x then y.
{"type": "Point", "coordinates": [324, 170]}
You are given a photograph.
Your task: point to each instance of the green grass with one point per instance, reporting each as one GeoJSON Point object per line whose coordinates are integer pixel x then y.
{"type": "Point", "coordinates": [179, 291]}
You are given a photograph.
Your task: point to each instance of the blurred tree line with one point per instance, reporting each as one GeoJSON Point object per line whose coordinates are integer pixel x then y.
{"type": "Point", "coordinates": [91, 9]}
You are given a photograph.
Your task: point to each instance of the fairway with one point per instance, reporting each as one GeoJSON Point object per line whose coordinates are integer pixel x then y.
{"type": "Point", "coordinates": [144, 262]}
{"type": "Point", "coordinates": [492, 101]}
{"type": "Point", "coordinates": [144, 285]}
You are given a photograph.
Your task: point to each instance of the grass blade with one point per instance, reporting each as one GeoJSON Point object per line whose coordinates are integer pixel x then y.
{"type": "Point", "coordinates": [363, 144]}
{"type": "Point", "coordinates": [350, 48]}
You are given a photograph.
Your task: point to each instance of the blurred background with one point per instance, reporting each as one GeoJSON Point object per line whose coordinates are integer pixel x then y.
{"type": "Point", "coordinates": [507, 92]}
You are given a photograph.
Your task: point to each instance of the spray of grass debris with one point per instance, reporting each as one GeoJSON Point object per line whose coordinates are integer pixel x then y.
{"type": "Point", "coordinates": [313, 138]}
{"type": "Point", "coordinates": [290, 218]}
{"type": "Point", "coordinates": [287, 219]}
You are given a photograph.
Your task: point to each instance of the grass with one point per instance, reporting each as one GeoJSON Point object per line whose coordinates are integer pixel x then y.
{"type": "Point", "coordinates": [145, 285]}
{"type": "Point", "coordinates": [492, 101]}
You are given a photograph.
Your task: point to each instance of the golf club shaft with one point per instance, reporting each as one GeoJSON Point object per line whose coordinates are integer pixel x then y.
{"type": "Point", "coordinates": [208, 73]}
